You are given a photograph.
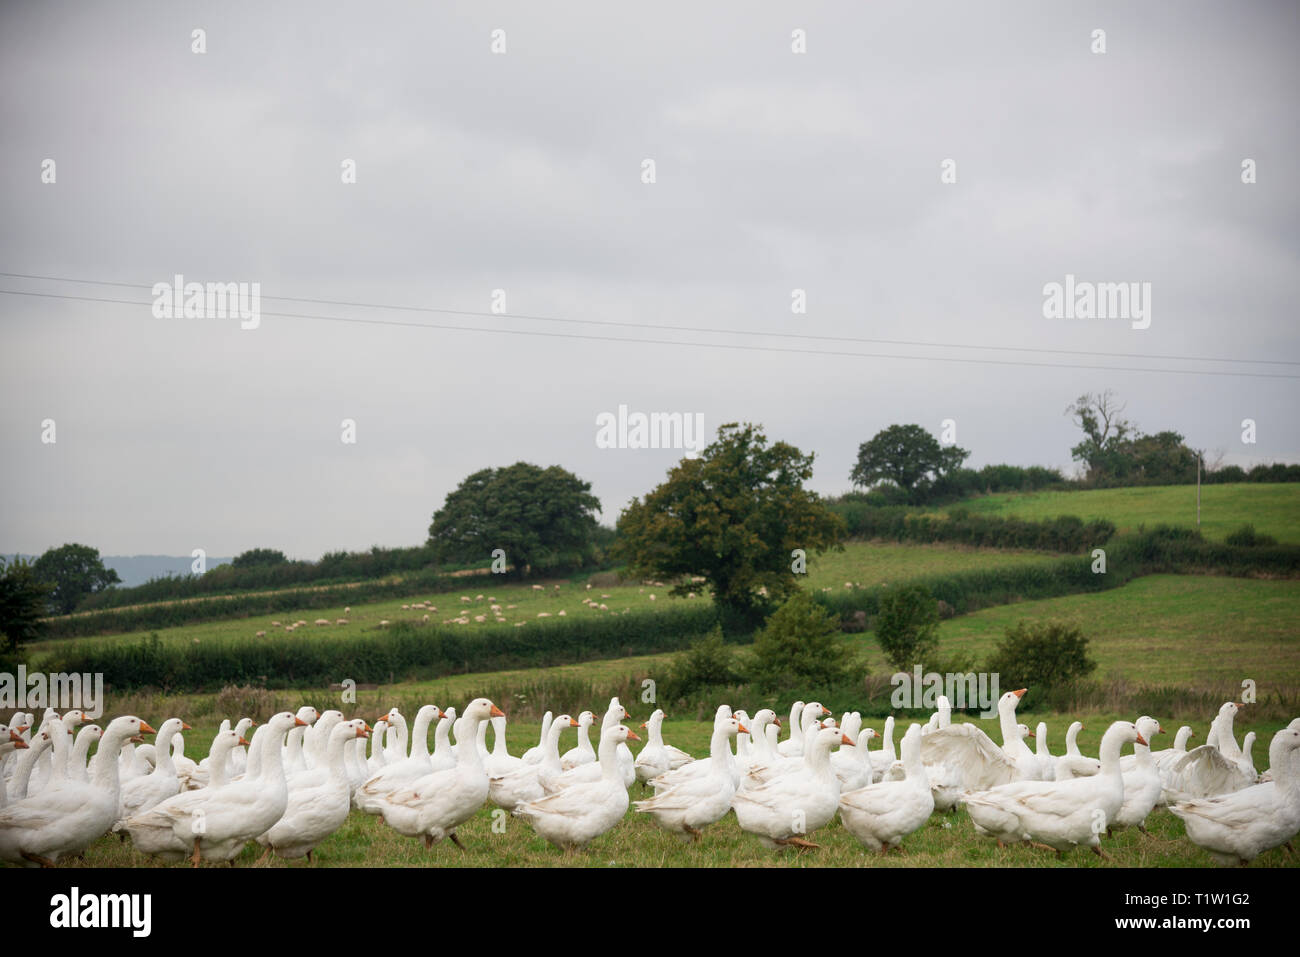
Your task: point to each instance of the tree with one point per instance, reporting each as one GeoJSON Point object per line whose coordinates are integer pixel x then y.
{"type": "Point", "coordinates": [796, 649]}
{"type": "Point", "coordinates": [907, 626]}
{"type": "Point", "coordinates": [23, 601]}
{"type": "Point", "coordinates": [1105, 431]}
{"type": "Point", "coordinates": [539, 517]}
{"type": "Point", "coordinates": [906, 455]}
{"type": "Point", "coordinates": [256, 557]}
{"type": "Point", "coordinates": [73, 572]}
{"type": "Point", "coordinates": [733, 516]}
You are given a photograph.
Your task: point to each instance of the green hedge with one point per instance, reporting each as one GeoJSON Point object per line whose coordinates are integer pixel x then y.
{"type": "Point", "coordinates": [903, 524]}
{"type": "Point", "coordinates": [397, 653]}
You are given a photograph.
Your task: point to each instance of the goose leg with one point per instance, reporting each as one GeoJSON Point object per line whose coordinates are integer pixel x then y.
{"type": "Point", "coordinates": [309, 860]}
{"type": "Point", "coordinates": [694, 832]}
{"type": "Point", "coordinates": [265, 854]}
{"type": "Point", "coordinates": [1143, 827]}
{"type": "Point", "coordinates": [1100, 853]}
{"type": "Point", "coordinates": [194, 858]}
{"type": "Point", "coordinates": [1043, 847]}
{"type": "Point", "coordinates": [455, 840]}
{"type": "Point", "coordinates": [37, 859]}
{"type": "Point", "coordinates": [428, 841]}
{"type": "Point", "coordinates": [798, 842]}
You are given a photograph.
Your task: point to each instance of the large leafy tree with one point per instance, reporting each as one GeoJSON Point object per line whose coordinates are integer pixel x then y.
{"type": "Point", "coordinates": [538, 516]}
{"type": "Point", "coordinates": [796, 650]}
{"type": "Point", "coordinates": [256, 557]}
{"type": "Point", "coordinates": [23, 601]}
{"type": "Point", "coordinates": [906, 455]}
{"type": "Point", "coordinates": [732, 516]}
{"type": "Point", "coordinates": [74, 572]}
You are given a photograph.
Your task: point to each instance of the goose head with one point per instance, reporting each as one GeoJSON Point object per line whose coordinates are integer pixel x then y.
{"type": "Point", "coordinates": [1008, 702]}
{"type": "Point", "coordinates": [732, 727]}
{"type": "Point", "coordinates": [585, 720]}
{"type": "Point", "coordinates": [119, 729]}
{"type": "Point", "coordinates": [282, 722]}
{"type": "Point", "coordinates": [655, 720]}
{"type": "Point", "coordinates": [866, 734]}
{"type": "Point", "coordinates": [223, 743]}
{"type": "Point", "coordinates": [481, 709]}
{"type": "Point", "coordinates": [243, 724]}
{"type": "Point", "coordinates": [619, 734]}
{"type": "Point", "coordinates": [827, 738]}
{"type": "Point", "coordinates": [762, 718]}
{"type": "Point", "coordinates": [1148, 727]}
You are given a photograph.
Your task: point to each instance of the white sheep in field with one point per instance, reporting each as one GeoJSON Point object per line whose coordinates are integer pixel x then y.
{"type": "Point", "coordinates": [480, 618]}
{"type": "Point", "coordinates": [588, 586]}
{"type": "Point", "coordinates": [341, 621]}
{"type": "Point", "coordinates": [275, 624]}
{"type": "Point", "coordinates": [322, 621]}
{"type": "Point", "coordinates": [406, 608]}
{"type": "Point", "coordinates": [426, 617]}
{"type": "Point", "coordinates": [465, 598]}
{"type": "Point", "coordinates": [508, 607]}
{"type": "Point", "coordinates": [652, 596]}
{"type": "Point", "coordinates": [562, 614]}
{"type": "Point", "coordinates": [604, 607]}
{"type": "Point", "coordinates": [261, 634]}
{"type": "Point", "coordinates": [690, 594]}
{"type": "Point", "coordinates": [348, 610]}
{"type": "Point", "coordinates": [537, 588]}
{"type": "Point", "coordinates": [519, 624]}
{"type": "Point", "coordinates": [543, 614]}
{"type": "Point", "coordinates": [478, 597]}
{"type": "Point", "coordinates": [384, 622]}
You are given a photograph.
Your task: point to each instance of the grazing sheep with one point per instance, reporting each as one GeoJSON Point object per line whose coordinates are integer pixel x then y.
{"type": "Point", "coordinates": [561, 614]}
{"type": "Point", "coordinates": [384, 622]}
{"type": "Point", "coordinates": [261, 634]}
{"type": "Point", "coordinates": [480, 617]}
{"type": "Point", "coordinates": [341, 621]}
{"type": "Point", "coordinates": [348, 610]}
{"type": "Point", "coordinates": [604, 607]}
{"type": "Point", "coordinates": [426, 617]}
{"type": "Point", "coordinates": [322, 621]}
{"type": "Point", "coordinates": [543, 614]}
{"type": "Point", "coordinates": [275, 624]}
{"type": "Point", "coordinates": [537, 588]}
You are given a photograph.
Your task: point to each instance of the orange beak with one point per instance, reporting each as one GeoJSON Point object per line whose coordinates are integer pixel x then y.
{"type": "Point", "coordinates": [1160, 730]}
{"type": "Point", "coordinates": [20, 745]}
{"type": "Point", "coordinates": [744, 730]}
{"type": "Point", "coordinates": [1141, 740]}
{"type": "Point", "coordinates": [1032, 735]}
{"type": "Point", "coordinates": [643, 724]}
{"type": "Point", "coordinates": [15, 736]}
{"type": "Point", "coordinates": [497, 712]}
{"type": "Point", "coordinates": [84, 719]}
{"type": "Point", "coordinates": [1020, 693]}
{"type": "Point", "coordinates": [23, 727]}
{"type": "Point", "coordinates": [243, 741]}
{"type": "Point", "coordinates": [185, 727]}
{"type": "Point", "coordinates": [633, 736]}
{"type": "Point", "coordinates": [299, 723]}
{"type": "Point", "coordinates": [574, 724]}
{"type": "Point", "coordinates": [145, 729]}
{"type": "Point", "coordinates": [362, 733]}
{"type": "Point", "coordinates": [777, 722]}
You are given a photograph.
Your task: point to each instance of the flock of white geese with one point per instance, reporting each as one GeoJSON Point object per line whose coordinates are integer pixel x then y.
{"type": "Point", "coordinates": [296, 781]}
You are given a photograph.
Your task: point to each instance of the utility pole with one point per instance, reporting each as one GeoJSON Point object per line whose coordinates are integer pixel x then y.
{"type": "Point", "coordinates": [1198, 489]}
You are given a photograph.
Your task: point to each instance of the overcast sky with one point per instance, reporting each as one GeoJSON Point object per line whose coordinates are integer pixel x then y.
{"type": "Point", "coordinates": [522, 171]}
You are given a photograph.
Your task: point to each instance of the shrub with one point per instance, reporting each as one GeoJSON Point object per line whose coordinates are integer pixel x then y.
{"type": "Point", "coordinates": [1047, 657]}
{"type": "Point", "coordinates": [707, 663]}
{"type": "Point", "coordinates": [797, 648]}
{"type": "Point", "coordinates": [1247, 537]}
{"type": "Point", "coordinates": [907, 625]}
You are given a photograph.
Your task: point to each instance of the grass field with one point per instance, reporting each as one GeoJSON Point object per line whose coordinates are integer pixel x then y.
{"type": "Point", "coordinates": [1273, 509]}
{"type": "Point", "coordinates": [864, 564]}
{"type": "Point", "coordinates": [946, 841]}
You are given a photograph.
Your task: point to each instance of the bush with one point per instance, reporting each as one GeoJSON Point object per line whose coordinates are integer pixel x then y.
{"type": "Point", "coordinates": [907, 625]}
{"type": "Point", "coordinates": [1247, 537]}
{"type": "Point", "coordinates": [797, 648]}
{"type": "Point", "coordinates": [707, 663]}
{"type": "Point", "coordinates": [1047, 657]}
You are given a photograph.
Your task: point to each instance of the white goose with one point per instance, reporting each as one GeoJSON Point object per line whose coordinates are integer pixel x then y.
{"type": "Point", "coordinates": [528, 782]}
{"type": "Point", "coordinates": [575, 815]}
{"type": "Point", "coordinates": [1141, 781]}
{"type": "Point", "coordinates": [1075, 764]}
{"type": "Point", "coordinates": [583, 753]}
{"type": "Point", "coordinates": [793, 745]}
{"type": "Point", "coordinates": [215, 824]}
{"type": "Point", "coordinates": [399, 773]}
{"type": "Point", "coordinates": [1046, 760]}
{"type": "Point", "coordinates": [65, 819]}
{"type": "Point", "coordinates": [1058, 814]}
{"type": "Point", "coordinates": [319, 800]}
{"type": "Point", "coordinates": [500, 761]}
{"type": "Point", "coordinates": [782, 811]}
{"type": "Point", "coordinates": [537, 752]}
{"type": "Point", "coordinates": [702, 767]}
{"type": "Point", "coordinates": [142, 793]}
{"type": "Point", "coordinates": [88, 735]}
{"type": "Point", "coordinates": [963, 758]}
{"type": "Point", "coordinates": [881, 815]}
{"type": "Point", "coordinates": [852, 765]}
{"type": "Point", "coordinates": [1212, 768]}
{"type": "Point", "coordinates": [1237, 827]}
{"type": "Point", "coordinates": [698, 802]}
{"type": "Point", "coordinates": [657, 758]}
{"type": "Point", "coordinates": [433, 806]}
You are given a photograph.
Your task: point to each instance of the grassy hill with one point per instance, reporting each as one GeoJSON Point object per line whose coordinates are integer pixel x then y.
{"type": "Point", "coordinates": [1273, 509]}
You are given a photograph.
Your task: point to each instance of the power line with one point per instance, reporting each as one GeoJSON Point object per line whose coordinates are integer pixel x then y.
{"type": "Point", "coordinates": [674, 342]}
{"type": "Point", "coordinates": [663, 327]}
